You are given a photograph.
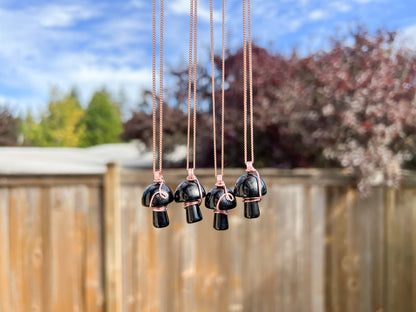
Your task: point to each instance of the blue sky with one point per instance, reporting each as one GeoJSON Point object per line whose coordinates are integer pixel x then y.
{"type": "Point", "coordinates": [90, 44]}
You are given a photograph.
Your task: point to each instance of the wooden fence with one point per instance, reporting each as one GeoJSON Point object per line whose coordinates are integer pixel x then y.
{"type": "Point", "coordinates": [84, 243]}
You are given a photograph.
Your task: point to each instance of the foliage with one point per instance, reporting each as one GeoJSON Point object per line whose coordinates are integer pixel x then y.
{"type": "Point", "coordinates": [140, 124]}
{"type": "Point", "coordinates": [351, 106]}
{"type": "Point", "coordinates": [9, 127]}
{"type": "Point", "coordinates": [59, 125]}
{"type": "Point", "coordinates": [102, 121]}
{"type": "Point", "coordinates": [355, 103]}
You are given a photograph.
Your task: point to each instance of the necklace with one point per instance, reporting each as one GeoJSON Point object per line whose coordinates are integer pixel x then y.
{"type": "Point", "coordinates": [190, 191]}
{"type": "Point", "coordinates": [220, 198]}
{"type": "Point", "coordinates": [158, 195]}
{"type": "Point", "coordinates": [249, 186]}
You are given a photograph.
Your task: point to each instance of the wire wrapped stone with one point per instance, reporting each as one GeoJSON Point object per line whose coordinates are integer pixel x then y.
{"type": "Point", "coordinates": [251, 188]}
{"type": "Point", "coordinates": [157, 196]}
{"type": "Point", "coordinates": [220, 199]}
{"type": "Point", "coordinates": [191, 193]}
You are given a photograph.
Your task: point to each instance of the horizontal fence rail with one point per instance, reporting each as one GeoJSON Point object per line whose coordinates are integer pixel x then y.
{"type": "Point", "coordinates": [85, 243]}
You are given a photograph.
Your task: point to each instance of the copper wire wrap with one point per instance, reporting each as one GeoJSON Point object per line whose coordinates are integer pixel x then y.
{"type": "Point", "coordinates": [251, 169]}
{"type": "Point", "coordinates": [158, 178]}
{"type": "Point", "coordinates": [226, 195]}
{"type": "Point", "coordinates": [192, 177]}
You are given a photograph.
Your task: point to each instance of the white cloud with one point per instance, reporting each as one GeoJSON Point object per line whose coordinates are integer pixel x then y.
{"type": "Point", "coordinates": [137, 4]}
{"type": "Point", "coordinates": [41, 49]}
{"type": "Point", "coordinates": [340, 6]}
{"type": "Point", "coordinates": [407, 38]}
{"type": "Point", "coordinates": [64, 15]}
{"type": "Point", "coordinates": [318, 14]}
{"type": "Point", "coordinates": [181, 7]}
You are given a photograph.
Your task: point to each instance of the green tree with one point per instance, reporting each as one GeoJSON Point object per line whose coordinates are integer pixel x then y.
{"type": "Point", "coordinates": [29, 128]}
{"type": "Point", "coordinates": [60, 124]}
{"type": "Point", "coordinates": [102, 121]}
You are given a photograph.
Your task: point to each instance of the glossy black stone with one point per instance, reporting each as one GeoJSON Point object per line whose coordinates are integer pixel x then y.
{"type": "Point", "coordinates": [214, 195]}
{"type": "Point", "coordinates": [188, 191]}
{"type": "Point", "coordinates": [251, 210]}
{"type": "Point", "coordinates": [158, 201]}
{"type": "Point", "coordinates": [160, 219]}
{"type": "Point", "coordinates": [193, 214]}
{"type": "Point", "coordinates": [220, 221]}
{"type": "Point", "coordinates": [246, 186]}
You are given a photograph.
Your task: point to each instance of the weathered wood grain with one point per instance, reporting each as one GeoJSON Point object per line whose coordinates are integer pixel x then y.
{"type": "Point", "coordinates": [70, 244]}
{"type": "Point", "coordinates": [112, 240]}
{"type": "Point", "coordinates": [93, 283]}
{"type": "Point", "coordinates": [5, 295]}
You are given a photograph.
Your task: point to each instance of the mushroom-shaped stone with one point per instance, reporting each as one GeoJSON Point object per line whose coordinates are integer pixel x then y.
{"type": "Point", "coordinates": [158, 198]}
{"type": "Point", "coordinates": [219, 201]}
{"type": "Point", "coordinates": [190, 192]}
{"type": "Point", "coordinates": [247, 187]}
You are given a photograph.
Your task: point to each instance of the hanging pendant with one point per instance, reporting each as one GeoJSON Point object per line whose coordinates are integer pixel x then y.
{"type": "Point", "coordinates": [220, 199]}
{"type": "Point", "coordinates": [157, 196]}
{"type": "Point", "coordinates": [251, 188]}
{"type": "Point", "coordinates": [191, 193]}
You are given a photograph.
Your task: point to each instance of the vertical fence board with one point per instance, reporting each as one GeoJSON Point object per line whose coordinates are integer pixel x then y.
{"type": "Point", "coordinates": [143, 263]}
{"type": "Point", "coordinates": [112, 239]}
{"type": "Point", "coordinates": [48, 282]}
{"type": "Point", "coordinates": [80, 211]}
{"type": "Point", "coordinates": [18, 242]}
{"type": "Point", "coordinates": [336, 225]}
{"type": "Point", "coordinates": [400, 255]}
{"type": "Point", "coordinates": [129, 242]}
{"type": "Point", "coordinates": [317, 206]}
{"type": "Point", "coordinates": [5, 294]}
{"type": "Point", "coordinates": [93, 283]}
{"type": "Point", "coordinates": [367, 237]}
{"type": "Point", "coordinates": [34, 258]}
{"type": "Point", "coordinates": [63, 252]}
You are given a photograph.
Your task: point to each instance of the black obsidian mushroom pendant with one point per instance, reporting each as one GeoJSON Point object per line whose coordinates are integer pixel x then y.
{"type": "Point", "coordinates": [220, 199]}
{"type": "Point", "coordinates": [191, 193]}
{"type": "Point", "coordinates": [157, 196]}
{"type": "Point", "coordinates": [251, 188]}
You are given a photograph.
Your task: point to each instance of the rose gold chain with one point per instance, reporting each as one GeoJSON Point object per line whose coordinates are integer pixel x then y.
{"type": "Point", "coordinates": [214, 131]}
{"type": "Point", "coordinates": [250, 68]}
{"type": "Point", "coordinates": [195, 77]}
{"type": "Point", "coordinates": [154, 97]}
{"type": "Point", "coordinates": [248, 81]}
{"type": "Point", "coordinates": [191, 24]}
{"type": "Point", "coordinates": [245, 77]}
{"type": "Point", "coordinates": [192, 81]}
{"type": "Point", "coordinates": [154, 83]}
{"type": "Point", "coordinates": [161, 88]}
{"type": "Point", "coordinates": [223, 88]}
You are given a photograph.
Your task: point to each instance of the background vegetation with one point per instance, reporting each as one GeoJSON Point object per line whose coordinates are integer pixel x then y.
{"type": "Point", "coordinates": [351, 106]}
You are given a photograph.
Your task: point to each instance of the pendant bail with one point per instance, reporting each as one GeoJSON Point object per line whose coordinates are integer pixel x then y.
{"type": "Point", "coordinates": [158, 177]}
{"type": "Point", "coordinates": [250, 167]}
{"type": "Point", "coordinates": [191, 175]}
{"type": "Point", "coordinates": [220, 181]}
